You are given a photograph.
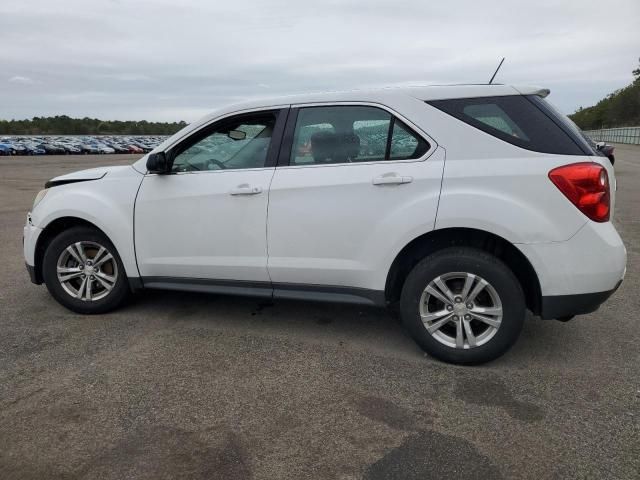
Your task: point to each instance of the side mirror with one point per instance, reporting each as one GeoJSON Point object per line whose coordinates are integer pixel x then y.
{"type": "Point", "coordinates": [600, 145]}
{"type": "Point", "coordinates": [157, 163]}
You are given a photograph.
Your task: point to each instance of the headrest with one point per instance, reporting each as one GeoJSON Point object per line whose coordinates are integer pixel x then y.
{"type": "Point", "coordinates": [329, 147]}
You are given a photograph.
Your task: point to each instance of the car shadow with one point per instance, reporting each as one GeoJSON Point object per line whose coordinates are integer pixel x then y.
{"type": "Point", "coordinates": [354, 326]}
{"type": "Point", "coordinates": [350, 326]}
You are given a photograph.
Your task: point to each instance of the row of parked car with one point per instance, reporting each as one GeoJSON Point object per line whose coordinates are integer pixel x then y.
{"type": "Point", "coordinates": [65, 145]}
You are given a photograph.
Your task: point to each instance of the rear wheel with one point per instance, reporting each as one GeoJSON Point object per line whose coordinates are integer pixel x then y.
{"type": "Point", "coordinates": [463, 305]}
{"type": "Point", "coordinates": [83, 271]}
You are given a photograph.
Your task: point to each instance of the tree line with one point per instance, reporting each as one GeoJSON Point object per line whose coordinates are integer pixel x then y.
{"type": "Point", "coordinates": [64, 125]}
{"type": "Point", "coordinates": [619, 109]}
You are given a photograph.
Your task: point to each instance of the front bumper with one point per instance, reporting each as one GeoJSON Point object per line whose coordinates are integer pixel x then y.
{"type": "Point", "coordinates": [30, 235]}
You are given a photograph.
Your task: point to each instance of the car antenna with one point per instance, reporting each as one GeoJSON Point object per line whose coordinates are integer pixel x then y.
{"type": "Point", "coordinates": [496, 72]}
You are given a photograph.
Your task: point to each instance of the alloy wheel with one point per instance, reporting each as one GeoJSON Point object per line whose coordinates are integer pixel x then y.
{"type": "Point", "coordinates": [87, 271]}
{"type": "Point", "coordinates": [461, 310]}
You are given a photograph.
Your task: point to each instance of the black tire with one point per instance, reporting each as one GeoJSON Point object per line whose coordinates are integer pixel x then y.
{"type": "Point", "coordinates": [112, 300]}
{"type": "Point", "coordinates": [479, 263]}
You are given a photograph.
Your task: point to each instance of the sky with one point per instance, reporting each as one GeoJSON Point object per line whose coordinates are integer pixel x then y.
{"type": "Point", "coordinates": [177, 60]}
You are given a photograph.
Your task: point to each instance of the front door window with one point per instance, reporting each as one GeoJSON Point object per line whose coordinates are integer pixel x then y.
{"type": "Point", "coordinates": [241, 142]}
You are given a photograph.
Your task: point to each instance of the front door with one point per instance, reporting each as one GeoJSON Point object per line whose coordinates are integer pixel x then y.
{"type": "Point", "coordinates": [206, 219]}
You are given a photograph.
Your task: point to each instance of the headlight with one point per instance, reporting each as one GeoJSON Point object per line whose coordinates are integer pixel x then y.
{"type": "Point", "coordinates": [39, 197]}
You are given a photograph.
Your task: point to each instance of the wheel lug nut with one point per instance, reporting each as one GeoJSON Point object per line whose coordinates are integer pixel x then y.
{"type": "Point", "coordinates": [455, 317]}
{"type": "Point", "coordinates": [449, 307]}
{"type": "Point", "coordinates": [469, 305]}
{"type": "Point", "coordinates": [458, 299]}
{"type": "Point", "coordinates": [467, 317]}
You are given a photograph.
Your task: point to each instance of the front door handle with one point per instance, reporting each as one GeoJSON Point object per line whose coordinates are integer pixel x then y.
{"type": "Point", "coordinates": [392, 179]}
{"type": "Point", "coordinates": [245, 189]}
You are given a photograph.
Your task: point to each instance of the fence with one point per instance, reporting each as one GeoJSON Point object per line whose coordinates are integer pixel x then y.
{"type": "Point", "coordinates": [616, 135]}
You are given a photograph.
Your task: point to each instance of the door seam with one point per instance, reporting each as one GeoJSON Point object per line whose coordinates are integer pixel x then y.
{"type": "Point", "coordinates": [266, 223]}
{"type": "Point", "coordinates": [133, 227]}
{"type": "Point", "coordinates": [444, 163]}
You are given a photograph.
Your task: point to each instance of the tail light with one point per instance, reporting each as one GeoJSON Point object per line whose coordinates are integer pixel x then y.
{"type": "Point", "coordinates": [586, 185]}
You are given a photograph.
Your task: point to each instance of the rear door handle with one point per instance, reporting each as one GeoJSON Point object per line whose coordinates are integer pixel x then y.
{"type": "Point", "coordinates": [392, 179]}
{"type": "Point", "coordinates": [245, 189]}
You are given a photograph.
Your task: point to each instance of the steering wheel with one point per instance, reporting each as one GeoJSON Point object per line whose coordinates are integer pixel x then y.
{"type": "Point", "coordinates": [215, 162]}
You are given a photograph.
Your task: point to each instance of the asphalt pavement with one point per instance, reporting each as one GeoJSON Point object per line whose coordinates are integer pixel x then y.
{"type": "Point", "coordinates": [179, 385]}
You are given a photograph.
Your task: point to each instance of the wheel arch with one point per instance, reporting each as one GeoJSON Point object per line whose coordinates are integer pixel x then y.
{"type": "Point", "coordinates": [435, 240]}
{"type": "Point", "coordinates": [53, 229]}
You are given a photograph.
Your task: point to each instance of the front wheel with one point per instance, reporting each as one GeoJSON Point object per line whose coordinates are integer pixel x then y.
{"type": "Point", "coordinates": [83, 271]}
{"type": "Point", "coordinates": [463, 305]}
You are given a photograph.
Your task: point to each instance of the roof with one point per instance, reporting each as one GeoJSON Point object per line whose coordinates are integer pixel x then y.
{"type": "Point", "coordinates": [421, 92]}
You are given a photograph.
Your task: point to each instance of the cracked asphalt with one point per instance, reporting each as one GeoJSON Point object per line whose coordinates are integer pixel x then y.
{"type": "Point", "coordinates": [179, 385]}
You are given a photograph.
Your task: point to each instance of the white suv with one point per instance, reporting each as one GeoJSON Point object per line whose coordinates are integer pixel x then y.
{"type": "Point", "coordinates": [462, 205]}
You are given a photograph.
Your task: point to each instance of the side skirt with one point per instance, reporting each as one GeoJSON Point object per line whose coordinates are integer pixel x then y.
{"type": "Point", "coordinates": [321, 293]}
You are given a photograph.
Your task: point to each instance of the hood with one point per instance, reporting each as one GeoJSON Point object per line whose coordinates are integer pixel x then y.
{"type": "Point", "coordinates": [84, 175]}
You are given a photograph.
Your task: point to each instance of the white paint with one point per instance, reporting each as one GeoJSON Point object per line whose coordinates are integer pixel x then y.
{"type": "Point", "coordinates": [330, 224]}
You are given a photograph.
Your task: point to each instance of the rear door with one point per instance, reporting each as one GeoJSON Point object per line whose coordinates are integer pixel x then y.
{"type": "Point", "coordinates": [354, 183]}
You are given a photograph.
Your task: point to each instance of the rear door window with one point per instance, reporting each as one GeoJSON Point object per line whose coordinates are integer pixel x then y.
{"type": "Point", "coordinates": [515, 119]}
{"type": "Point", "coordinates": [352, 134]}
{"type": "Point", "coordinates": [405, 143]}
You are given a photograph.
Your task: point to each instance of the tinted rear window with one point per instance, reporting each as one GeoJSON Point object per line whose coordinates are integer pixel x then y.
{"type": "Point", "coordinates": [572, 129]}
{"type": "Point", "coordinates": [518, 120]}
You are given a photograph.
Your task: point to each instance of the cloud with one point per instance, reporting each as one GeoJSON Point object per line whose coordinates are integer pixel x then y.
{"type": "Point", "coordinates": [21, 80]}
{"type": "Point", "coordinates": [172, 60]}
{"type": "Point", "coordinates": [129, 77]}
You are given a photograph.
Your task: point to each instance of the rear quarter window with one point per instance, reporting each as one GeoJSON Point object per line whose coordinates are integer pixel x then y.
{"type": "Point", "coordinates": [514, 119]}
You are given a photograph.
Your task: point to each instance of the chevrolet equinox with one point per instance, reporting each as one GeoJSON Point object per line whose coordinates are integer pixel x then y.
{"type": "Point", "coordinates": [460, 206]}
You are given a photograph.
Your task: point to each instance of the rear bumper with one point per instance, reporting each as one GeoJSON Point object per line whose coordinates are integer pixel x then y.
{"type": "Point", "coordinates": [578, 275]}
{"type": "Point", "coordinates": [559, 306]}
{"type": "Point", "coordinates": [593, 260]}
